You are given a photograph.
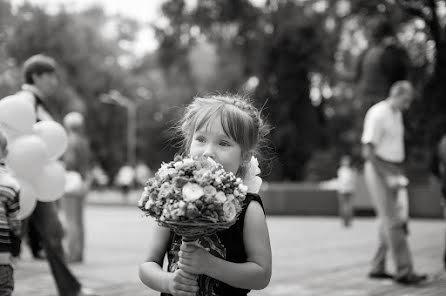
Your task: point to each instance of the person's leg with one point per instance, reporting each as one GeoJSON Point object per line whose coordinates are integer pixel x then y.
{"type": "Point", "coordinates": [80, 228]}
{"type": "Point", "coordinates": [342, 208]}
{"type": "Point", "coordinates": [379, 260]}
{"type": "Point", "coordinates": [349, 208]}
{"type": "Point", "coordinates": [393, 227]}
{"type": "Point", "coordinates": [68, 205]}
{"type": "Point", "coordinates": [403, 207]}
{"type": "Point", "coordinates": [385, 201]}
{"type": "Point", "coordinates": [50, 230]}
{"type": "Point", "coordinates": [6, 280]}
{"type": "Point", "coordinates": [374, 188]}
{"type": "Point", "coordinates": [34, 241]}
{"type": "Point", "coordinates": [73, 206]}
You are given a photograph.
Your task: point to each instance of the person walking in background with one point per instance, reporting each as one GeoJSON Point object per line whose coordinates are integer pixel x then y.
{"type": "Point", "coordinates": [41, 82]}
{"type": "Point", "coordinates": [77, 159]}
{"type": "Point", "coordinates": [383, 63]}
{"type": "Point", "coordinates": [383, 148]}
{"type": "Point", "coordinates": [142, 173]}
{"type": "Point", "coordinates": [9, 222]}
{"type": "Point", "coordinates": [346, 189]}
{"type": "Point", "coordinates": [125, 180]}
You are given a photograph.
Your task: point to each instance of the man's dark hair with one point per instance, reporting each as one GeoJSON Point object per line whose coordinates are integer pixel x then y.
{"type": "Point", "coordinates": [38, 64]}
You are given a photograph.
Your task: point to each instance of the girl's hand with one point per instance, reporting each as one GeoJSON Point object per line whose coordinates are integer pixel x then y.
{"type": "Point", "coordinates": [183, 283]}
{"type": "Point", "coordinates": [194, 259]}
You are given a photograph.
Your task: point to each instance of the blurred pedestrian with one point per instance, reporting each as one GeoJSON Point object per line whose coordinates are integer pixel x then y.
{"type": "Point", "coordinates": [125, 180]}
{"type": "Point", "coordinates": [346, 189]}
{"type": "Point", "coordinates": [41, 81]}
{"type": "Point", "coordinates": [99, 177]}
{"type": "Point", "coordinates": [9, 222]}
{"type": "Point", "coordinates": [383, 143]}
{"type": "Point", "coordinates": [77, 159]}
{"type": "Point", "coordinates": [142, 174]}
{"type": "Point", "coordinates": [383, 63]}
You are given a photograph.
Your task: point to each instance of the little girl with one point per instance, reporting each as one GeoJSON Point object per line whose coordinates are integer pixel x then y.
{"type": "Point", "coordinates": [227, 129]}
{"type": "Point", "coordinates": [346, 189]}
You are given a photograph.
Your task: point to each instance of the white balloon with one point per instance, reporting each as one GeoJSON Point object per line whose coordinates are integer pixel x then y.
{"type": "Point", "coordinates": [10, 133]}
{"type": "Point", "coordinates": [54, 136]}
{"type": "Point", "coordinates": [50, 183]}
{"type": "Point", "coordinates": [27, 156]}
{"type": "Point", "coordinates": [17, 114]}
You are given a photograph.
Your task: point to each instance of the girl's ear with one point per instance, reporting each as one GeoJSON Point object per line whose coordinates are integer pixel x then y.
{"type": "Point", "coordinates": [246, 158]}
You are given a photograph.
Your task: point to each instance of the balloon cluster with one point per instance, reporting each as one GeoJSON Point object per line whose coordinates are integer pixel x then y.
{"type": "Point", "coordinates": [33, 150]}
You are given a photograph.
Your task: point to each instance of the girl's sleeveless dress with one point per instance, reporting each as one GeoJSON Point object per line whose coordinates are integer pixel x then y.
{"type": "Point", "coordinates": [226, 244]}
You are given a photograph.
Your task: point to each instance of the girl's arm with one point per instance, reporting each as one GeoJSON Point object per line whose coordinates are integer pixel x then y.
{"type": "Point", "coordinates": [152, 274]}
{"type": "Point", "coordinates": [255, 273]}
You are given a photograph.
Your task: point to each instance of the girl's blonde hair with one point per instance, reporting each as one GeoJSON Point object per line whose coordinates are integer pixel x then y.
{"type": "Point", "coordinates": [241, 121]}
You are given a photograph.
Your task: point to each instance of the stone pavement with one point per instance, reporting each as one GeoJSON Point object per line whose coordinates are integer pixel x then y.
{"type": "Point", "coordinates": [312, 256]}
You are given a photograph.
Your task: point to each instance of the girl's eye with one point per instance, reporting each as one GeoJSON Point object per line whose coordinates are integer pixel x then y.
{"type": "Point", "coordinates": [200, 139]}
{"type": "Point", "coordinates": [225, 143]}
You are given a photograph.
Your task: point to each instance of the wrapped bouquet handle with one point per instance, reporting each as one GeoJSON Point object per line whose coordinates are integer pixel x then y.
{"type": "Point", "coordinates": [193, 241]}
{"type": "Point", "coordinates": [213, 245]}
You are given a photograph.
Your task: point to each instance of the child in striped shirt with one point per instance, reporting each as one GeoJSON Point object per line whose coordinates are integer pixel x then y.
{"type": "Point", "coordinates": [9, 221]}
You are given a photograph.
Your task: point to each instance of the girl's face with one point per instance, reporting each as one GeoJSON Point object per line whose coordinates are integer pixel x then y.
{"type": "Point", "coordinates": [211, 141]}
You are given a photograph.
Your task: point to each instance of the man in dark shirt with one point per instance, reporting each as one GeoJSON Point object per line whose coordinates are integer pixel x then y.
{"type": "Point", "coordinates": [383, 63]}
{"type": "Point", "coordinates": [41, 81]}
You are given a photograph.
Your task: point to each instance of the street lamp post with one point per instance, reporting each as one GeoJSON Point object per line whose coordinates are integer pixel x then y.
{"type": "Point", "coordinates": [114, 97]}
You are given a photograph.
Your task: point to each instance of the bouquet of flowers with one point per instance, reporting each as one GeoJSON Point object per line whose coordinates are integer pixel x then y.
{"type": "Point", "coordinates": [193, 196]}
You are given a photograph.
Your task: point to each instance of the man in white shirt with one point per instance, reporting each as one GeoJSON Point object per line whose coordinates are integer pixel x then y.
{"type": "Point", "coordinates": [383, 148]}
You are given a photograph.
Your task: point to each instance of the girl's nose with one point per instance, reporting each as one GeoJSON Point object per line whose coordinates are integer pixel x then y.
{"type": "Point", "coordinates": [209, 152]}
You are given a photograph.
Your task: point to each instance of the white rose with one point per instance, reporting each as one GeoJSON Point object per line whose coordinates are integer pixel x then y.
{"type": "Point", "coordinates": [163, 173]}
{"type": "Point", "coordinates": [178, 165]}
{"type": "Point", "coordinates": [254, 184]}
{"type": "Point", "coordinates": [188, 160]}
{"type": "Point", "coordinates": [182, 204]}
{"type": "Point", "coordinates": [251, 179]}
{"type": "Point", "coordinates": [220, 197]}
{"type": "Point", "coordinates": [172, 172]}
{"type": "Point", "coordinates": [149, 204]}
{"type": "Point", "coordinates": [229, 211]}
{"type": "Point", "coordinates": [192, 192]}
{"type": "Point", "coordinates": [253, 167]}
{"type": "Point", "coordinates": [243, 188]}
{"type": "Point", "coordinates": [209, 190]}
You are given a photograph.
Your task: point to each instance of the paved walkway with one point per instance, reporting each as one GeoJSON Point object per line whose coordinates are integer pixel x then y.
{"type": "Point", "coordinates": [312, 256]}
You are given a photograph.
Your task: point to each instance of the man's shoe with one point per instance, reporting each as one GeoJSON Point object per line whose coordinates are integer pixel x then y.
{"type": "Point", "coordinates": [87, 292]}
{"type": "Point", "coordinates": [380, 275]}
{"type": "Point", "coordinates": [412, 279]}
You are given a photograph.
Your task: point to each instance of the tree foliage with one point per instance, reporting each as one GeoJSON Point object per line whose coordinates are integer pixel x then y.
{"type": "Point", "coordinates": [286, 54]}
